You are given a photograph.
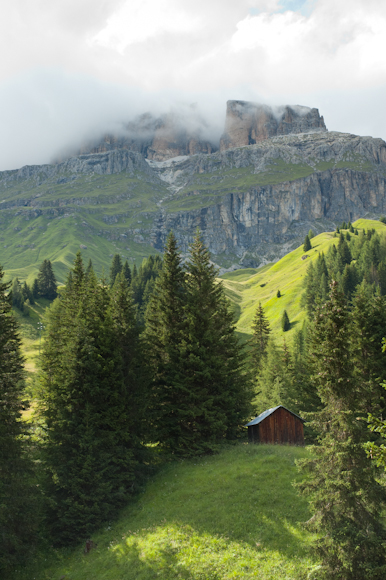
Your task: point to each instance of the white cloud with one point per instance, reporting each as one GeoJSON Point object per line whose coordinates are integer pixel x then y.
{"type": "Point", "coordinates": [140, 20]}
{"type": "Point", "coordinates": [70, 63]}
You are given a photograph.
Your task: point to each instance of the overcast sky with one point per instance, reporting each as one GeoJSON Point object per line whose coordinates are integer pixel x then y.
{"type": "Point", "coordinates": [72, 68]}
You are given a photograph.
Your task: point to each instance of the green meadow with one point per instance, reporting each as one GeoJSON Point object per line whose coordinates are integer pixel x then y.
{"type": "Point", "coordinates": [231, 515]}
{"type": "Point", "coordinates": [246, 288]}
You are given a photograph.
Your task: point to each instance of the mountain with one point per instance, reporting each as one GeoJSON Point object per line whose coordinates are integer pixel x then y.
{"type": "Point", "coordinates": [254, 202]}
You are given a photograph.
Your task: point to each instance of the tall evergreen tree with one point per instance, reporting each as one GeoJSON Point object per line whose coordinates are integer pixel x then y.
{"type": "Point", "coordinates": [346, 497]}
{"type": "Point", "coordinates": [273, 384]}
{"type": "Point", "coordinates": [368, 323]}
{"type": "Point", "coordinates": [307, 244]}
{"type": "Point", "coordinates": [86, 376]}
{"type": "Point", "coordinates": [214, 362]}
{"type": "Point", "coordinates": [260, 336]}
{"type": "Point", "coordinates": [47, 281]}
{"type": "Point", "coordinates": [116, 268]}
{"type": "Point", "coordinates": [127, 272]}
{"type": "Point", "coordinates": [285, 322]}
{"type": "Point", "coordinates": [17, 502]}
{"type": "Point", "coordinates": [165, 320]}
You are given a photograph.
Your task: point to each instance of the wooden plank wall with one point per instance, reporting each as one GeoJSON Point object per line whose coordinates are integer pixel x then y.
{"type": "Point", "coordinates": [280, 427]}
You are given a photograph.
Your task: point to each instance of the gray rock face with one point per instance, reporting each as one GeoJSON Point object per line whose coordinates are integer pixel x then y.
{"type": "Point", "coordinates": [253, 203]}
{"type": "Point", "coordinates": [108, 163]}
{"type": "Point", "coordinates": [344, 179]}
{"type": "Point", "coordinates": [184, 132]}
{"type": "Point", "coordinates": [248, 123]}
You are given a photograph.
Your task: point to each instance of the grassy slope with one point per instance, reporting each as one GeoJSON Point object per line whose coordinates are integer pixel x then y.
{"type": "Point", "coordinates": [246, 288]}
{"type": "Point", "coordinates": [94, 211]}
{"type": "Point", "coordinates": [233, 515]}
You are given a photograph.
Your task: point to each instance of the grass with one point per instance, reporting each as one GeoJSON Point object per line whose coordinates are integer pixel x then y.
{"type": "Point", "coordinates": [232, 515]}
{"type": "Point", "coordinates": [99, 215]}
{"type": "Point", "coordinates": [246, 288]}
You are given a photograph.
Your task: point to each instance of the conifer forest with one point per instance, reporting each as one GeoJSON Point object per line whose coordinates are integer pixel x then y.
{"type": "Point", "coordinates": [145, 366]}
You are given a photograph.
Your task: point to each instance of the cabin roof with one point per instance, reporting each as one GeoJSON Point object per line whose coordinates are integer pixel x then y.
{"type": "Point", "coordinates": [268, 412]}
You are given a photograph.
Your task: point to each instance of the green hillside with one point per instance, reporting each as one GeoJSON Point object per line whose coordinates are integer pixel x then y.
{"type": "Point", "coordinates": [90, 213]}
{"type": "Point", "coordinates": [245, 288]}
{"type": "Point", "coordinates": [232, 515]}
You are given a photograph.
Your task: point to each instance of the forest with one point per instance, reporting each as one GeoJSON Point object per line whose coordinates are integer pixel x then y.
{"type": "Point", "coordinates": [146, 366]}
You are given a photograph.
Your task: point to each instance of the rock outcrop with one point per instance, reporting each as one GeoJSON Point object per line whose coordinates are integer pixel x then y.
{"type": "Point", "coordinates": [253, 204]}
{"type": "Point", "coordinates": [185, 132]}
{"type": "Point", "coordinates": [159, 139]}
{"type": "Point", "coordinates": [248, 123]}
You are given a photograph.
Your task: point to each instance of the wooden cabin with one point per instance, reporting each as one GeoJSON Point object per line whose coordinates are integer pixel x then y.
{"type": "Point", "coordinates": [276, 425]}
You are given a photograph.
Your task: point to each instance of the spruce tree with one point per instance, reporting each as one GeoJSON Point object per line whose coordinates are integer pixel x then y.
{"type": "Point", "coordinates": [274, 380]}
{"type": "Point", "coordinates": [165, 320]}
{"type": "Point", "coordinates": [18, 516]}
{"type": "Point", "coordinates": [346, 498]}
{"type": "Point", "coordinates": [368, 323]}
{"type": "Point", "coordinates": [47, 281]}
{"type": "Point", "coordinates": [259, 341]}
{"type": "Point", "coordinates": [307, 244]}
{"type": "Point", "coordinates": [127, 272]}
{"type": "Point", "coordinates": [285, 322]}
{"type": "Point", "coordinates": [214, 361]}
{"type": "Point", "coordinates": [35, 288]}
{"type": "Point", "coordinates": [116, 268]}
{"type": "Point", "coordinates": [90, 395]}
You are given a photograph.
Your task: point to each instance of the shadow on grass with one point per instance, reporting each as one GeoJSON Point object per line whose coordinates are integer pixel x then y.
{"type": "Point", "coordinates": [241, 504]}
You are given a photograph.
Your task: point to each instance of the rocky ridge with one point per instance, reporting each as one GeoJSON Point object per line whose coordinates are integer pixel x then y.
{"type": "Point", "coordinates": [252, 203]}
{"type": "Point", "coordinates": [180, 133]}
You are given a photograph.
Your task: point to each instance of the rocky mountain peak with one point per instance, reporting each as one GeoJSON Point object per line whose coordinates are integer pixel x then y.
{"type": "Point", "coordinates": [248, 123]}
{"type": "Point", "coordinates": [184, 131]}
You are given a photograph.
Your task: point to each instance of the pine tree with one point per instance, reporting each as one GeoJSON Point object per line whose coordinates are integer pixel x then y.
{"type": "Point", "coordinates": [35, 288]}
{"type": "Point", "coordinates": [89, 268]}
{"type": "Point", "coordinates": [28, 294]}
{"type": "Point", "coordinates": [165, 320]}
{"type": "Point", "coordinates": [307, 244]}
{"type": "Point", "coordinates": [214, 362]}
{"type": "Point", "coordinates": [285, 322]}
{"type": "Point", "coordinates": [127, 272]}
{"type": "Point", "coordinates": [311, 234]}
{"type": "Point", "coordinates": [344, 251]}
{"type": "Point", "coordinates": [274, 381]}
{"type": "Point", "coordinates": [368, 323]}
{"type": "Point", "coordinates": [116, 268]}
{"type": "Point", "coordinates": [17, 295]}
{"type": "Point", "coordinates": [90, 396]}
{"type": "Point", "coordinates": [346, 498]}
{"type": "Point", "coordinates": [47, 281]}
{"type": "Point", "coordinates": [259, 341]}
{"type": "Point", "coordinates": [18, 515]}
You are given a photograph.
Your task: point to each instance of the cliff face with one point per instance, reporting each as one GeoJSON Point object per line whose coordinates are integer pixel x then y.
{"type": "Point", "coordinates": [248, 123]}
{"type": "Point", "coordinates": [253, 204]}
{"type": "Point", "coordinates": [184, 132]}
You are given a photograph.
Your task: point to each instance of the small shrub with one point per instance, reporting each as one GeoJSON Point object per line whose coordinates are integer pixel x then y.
{"type": "Point", "coordinates": [278, 294]}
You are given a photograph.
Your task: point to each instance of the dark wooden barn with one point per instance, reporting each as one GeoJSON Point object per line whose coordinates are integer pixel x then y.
{"type": "Point", "coordinates": [276, 425]}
